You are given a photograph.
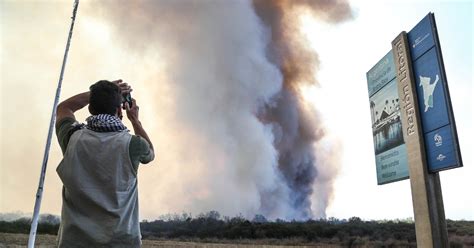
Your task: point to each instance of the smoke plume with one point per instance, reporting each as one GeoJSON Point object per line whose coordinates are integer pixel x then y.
{"type": "Point", "coordinates": [295, 124]}
{"type": "Point", "coordinates": [234, 133]}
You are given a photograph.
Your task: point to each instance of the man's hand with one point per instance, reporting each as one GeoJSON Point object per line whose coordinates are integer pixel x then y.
{"type": "Point", "coordinates": [124, 86]}
{"type": "Point", "coordinates": [132, 111]}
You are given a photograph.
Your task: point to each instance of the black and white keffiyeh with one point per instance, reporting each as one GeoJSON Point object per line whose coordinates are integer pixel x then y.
{"type": "Point", "coordinates": [105, 123]}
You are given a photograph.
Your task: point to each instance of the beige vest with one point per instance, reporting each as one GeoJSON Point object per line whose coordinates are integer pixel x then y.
{"type": "Point", "coordinates": [100, 196]}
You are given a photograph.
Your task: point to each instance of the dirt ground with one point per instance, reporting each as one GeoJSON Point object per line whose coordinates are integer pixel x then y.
{"type": "Point", "coordinates": [46, 241]}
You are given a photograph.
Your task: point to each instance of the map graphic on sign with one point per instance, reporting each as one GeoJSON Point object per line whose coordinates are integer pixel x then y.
{"type": "Point", "coordinates": [428, 89]}
{"type": "Point", "coordinates": [437, 118]}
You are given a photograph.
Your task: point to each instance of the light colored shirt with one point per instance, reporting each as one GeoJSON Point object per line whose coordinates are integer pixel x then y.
{"type": "Point", "coordinates": [140, 151]}
{"type": "Point", "coordinates": [100, 194]}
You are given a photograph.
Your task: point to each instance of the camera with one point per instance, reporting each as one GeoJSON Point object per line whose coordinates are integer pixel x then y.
{"type": "Point", "coordinates": [127, 98]}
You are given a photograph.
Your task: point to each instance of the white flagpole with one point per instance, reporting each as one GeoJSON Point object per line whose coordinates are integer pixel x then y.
{"type": "Point", "coordinates": [39, 193]}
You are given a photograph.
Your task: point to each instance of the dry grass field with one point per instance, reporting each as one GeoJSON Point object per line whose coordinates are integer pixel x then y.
{"type": "Point", "coordinates": [46, 241]}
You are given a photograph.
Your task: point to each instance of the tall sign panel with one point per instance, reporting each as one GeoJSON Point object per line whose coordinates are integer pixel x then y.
{"type": "Point", "coordinates": [389, 145]}
{"type": "Point", "coordinates": [439, 129]}
{"type": "Point", "coordinates": [430, 223]}
{"type": "Point", "coordinates": [408, 91]}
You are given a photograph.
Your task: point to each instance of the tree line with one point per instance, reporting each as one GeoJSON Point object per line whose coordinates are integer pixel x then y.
{"type": "Point", "coordinates": [212, 225]}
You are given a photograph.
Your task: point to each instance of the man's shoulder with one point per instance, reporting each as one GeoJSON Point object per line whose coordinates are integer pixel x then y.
{"type": "Point", "coordinates": [65, 122]}
{"type": "Point", "coordinates": [65, 127]}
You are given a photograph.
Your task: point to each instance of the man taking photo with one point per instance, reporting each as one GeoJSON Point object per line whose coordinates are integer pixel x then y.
{"type": "Point", "coordinates": [99, 168]}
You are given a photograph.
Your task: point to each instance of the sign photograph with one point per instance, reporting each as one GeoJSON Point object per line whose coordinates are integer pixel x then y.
{"type": "Point", "coordinates": [390, 149]}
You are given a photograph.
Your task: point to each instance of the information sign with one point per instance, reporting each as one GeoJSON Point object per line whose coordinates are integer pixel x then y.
{"type": "Point", "coordinates": [439, 129]}
{"type": "Point", "coordinates": [390, 149]}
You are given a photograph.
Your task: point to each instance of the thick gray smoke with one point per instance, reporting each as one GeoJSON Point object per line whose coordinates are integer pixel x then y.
{"type": "Point", "coordinates": [240, 138]}
{"type": "Point", "coordinates": [295, 124]}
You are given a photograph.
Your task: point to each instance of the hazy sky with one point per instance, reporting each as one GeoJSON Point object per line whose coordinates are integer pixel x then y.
{"type": "Point", "coordinates": [32, 40]}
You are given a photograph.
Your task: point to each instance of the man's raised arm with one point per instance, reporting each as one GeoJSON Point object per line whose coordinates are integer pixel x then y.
{"type": "Point", "coordinates": [132, 114]}
{"type": "Point", "coordinates": [67, 107]}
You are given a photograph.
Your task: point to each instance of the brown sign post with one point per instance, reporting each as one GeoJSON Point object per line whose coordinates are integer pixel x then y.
{"type": "Point", "coordinates": [430, 222]}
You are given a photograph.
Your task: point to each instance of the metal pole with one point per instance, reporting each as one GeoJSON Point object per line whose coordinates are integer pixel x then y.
{"type": "Point", "coordinates": [39, 193]}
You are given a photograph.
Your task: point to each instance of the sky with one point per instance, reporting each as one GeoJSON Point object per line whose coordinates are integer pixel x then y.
{"type": "Point", "coordinates": [32, 40]}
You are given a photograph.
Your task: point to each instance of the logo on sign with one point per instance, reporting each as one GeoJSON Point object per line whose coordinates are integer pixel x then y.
{"type": "Point", "coordinates": [420, 39]}
{"type": "Point", "coordinates": [440, 157]}
{"type": "Point", "coordinates": [438, 140]}
{"type": "Point", "coordinates": [428, 89]}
